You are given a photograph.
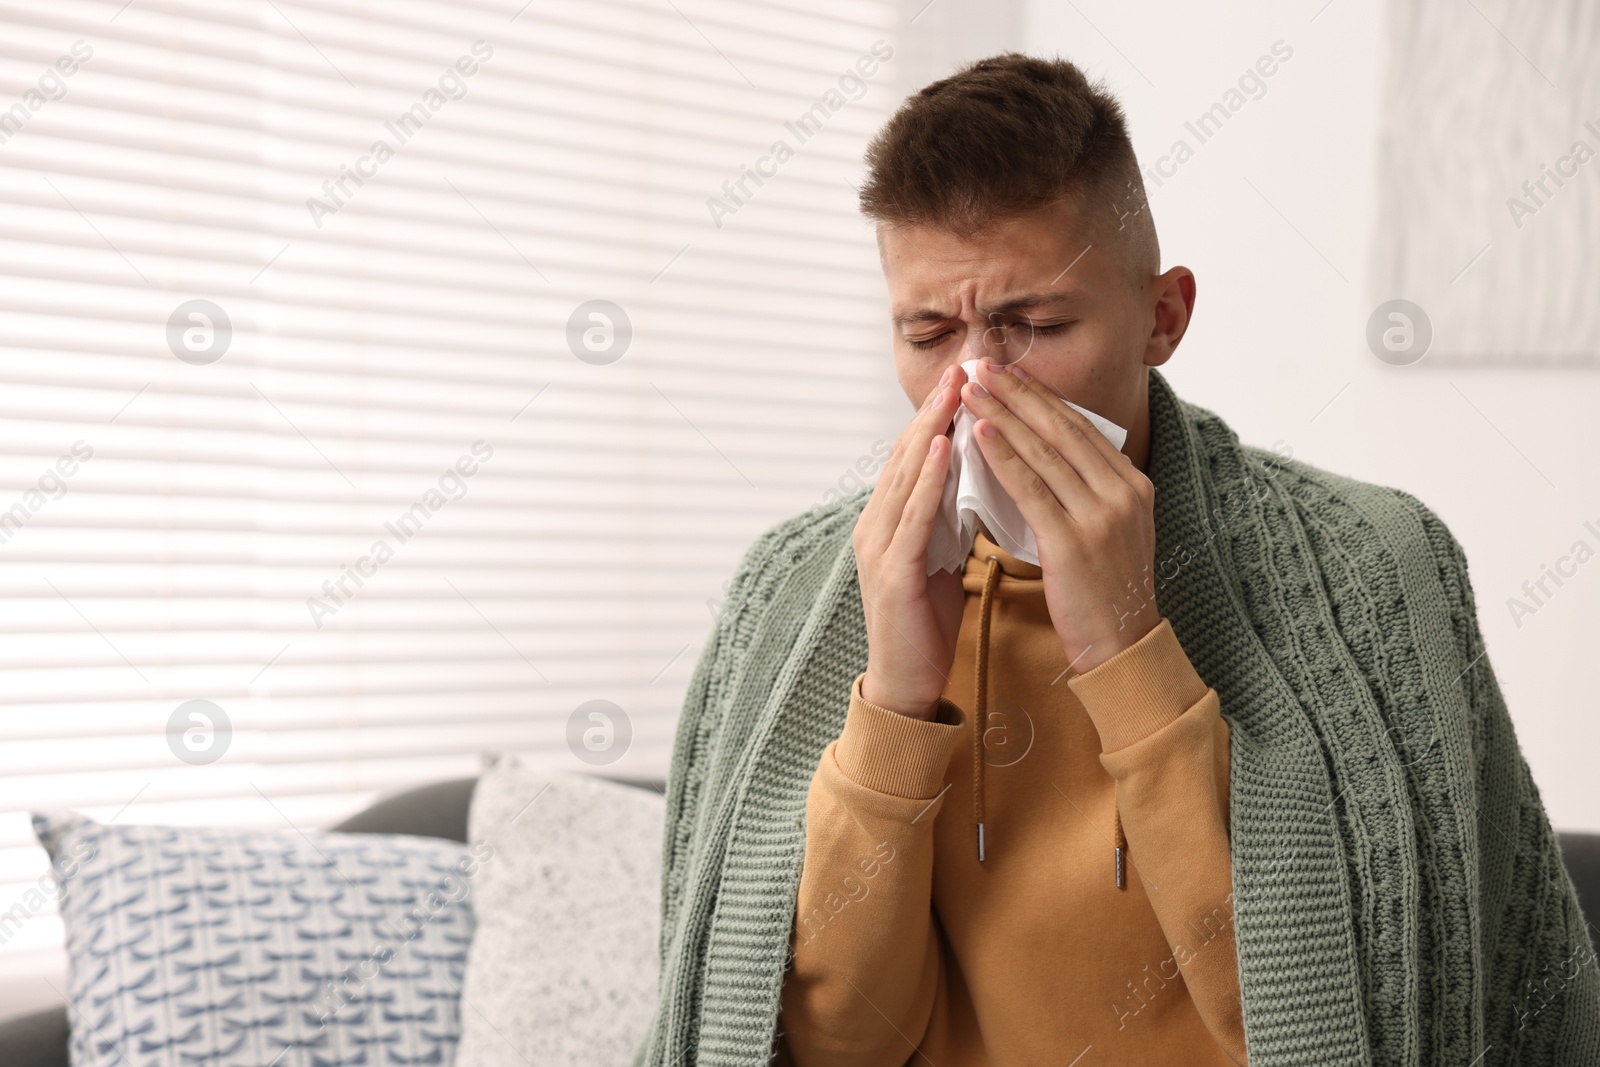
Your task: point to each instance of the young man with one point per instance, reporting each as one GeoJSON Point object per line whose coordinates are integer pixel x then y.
{"type": "Point", "coordinates": [1224, 777]}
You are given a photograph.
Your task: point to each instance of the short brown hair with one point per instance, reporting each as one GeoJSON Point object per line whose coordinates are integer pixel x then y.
{"type": "Point", "coordinates": [1005, 136]}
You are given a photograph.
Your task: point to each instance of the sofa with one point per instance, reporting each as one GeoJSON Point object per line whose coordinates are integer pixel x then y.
{"type": "Point", "coordinates": [440, 810]}
{"type": "Point", "coordinates": [436, 810]}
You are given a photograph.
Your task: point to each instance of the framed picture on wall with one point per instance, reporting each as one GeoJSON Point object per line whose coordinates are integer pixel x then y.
{"type": "Point", "coordinates": [1489, 180]}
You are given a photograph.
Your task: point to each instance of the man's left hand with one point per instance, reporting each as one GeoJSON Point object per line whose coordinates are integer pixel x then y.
{"type": "Point", "coordinates": [1091, 510]}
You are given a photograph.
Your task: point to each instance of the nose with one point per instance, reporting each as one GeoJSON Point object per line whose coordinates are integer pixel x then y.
{"type": "Point", "coordinates": [985, 340]}
{"type": "Point", "coordinates": [998, 340]}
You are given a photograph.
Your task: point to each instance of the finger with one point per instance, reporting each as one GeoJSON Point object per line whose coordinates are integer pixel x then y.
{"type": "Point", "coordinates": [910, 543]}
{"type": "Point", "coordinates": [1119, 461]}
{"type": "Point", "coordinates": [894, 466]}
{"type": "Point", "coordinates": [884, 509]}
{"type": "Point", "coordinates": [1035, 457]}
{"type": "Point", "coordinates": [1058, 424]}
{"type": "Point", "coordinates": [1042, 509]}
{"type": "Point", "coordinates": [928, 428]}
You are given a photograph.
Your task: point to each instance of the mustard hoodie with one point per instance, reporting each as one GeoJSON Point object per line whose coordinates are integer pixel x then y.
{"type": "Point", "coordinates": [1052, 889]}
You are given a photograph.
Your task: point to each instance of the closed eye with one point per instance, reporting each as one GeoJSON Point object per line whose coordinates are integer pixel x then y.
{"type": "Point", "coordinates": [937, 339]}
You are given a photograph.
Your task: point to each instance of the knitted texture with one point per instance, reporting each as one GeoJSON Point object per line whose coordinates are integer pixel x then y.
{"type": "Point", "coordinates": [1399, 895]}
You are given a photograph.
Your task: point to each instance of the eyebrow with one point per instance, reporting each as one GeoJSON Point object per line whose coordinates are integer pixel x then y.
{"type": "Point", "coordinates": [1016, 303]}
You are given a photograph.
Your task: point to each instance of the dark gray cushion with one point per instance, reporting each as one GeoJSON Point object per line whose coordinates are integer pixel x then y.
{"type": "Point", "coordinates": [1580, 853]}
{"type": "Point", "coordinates": [437, 810]}
{"type": "Point", "coordinates": [38, 1039]}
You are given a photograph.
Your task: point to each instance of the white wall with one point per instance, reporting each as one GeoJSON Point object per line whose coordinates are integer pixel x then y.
{"type": "Point", "coordinates": [1275, 216]}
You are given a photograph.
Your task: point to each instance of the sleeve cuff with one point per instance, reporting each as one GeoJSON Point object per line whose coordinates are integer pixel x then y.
{"type": "Point", "coordinates": [1141, 689]}
{"type": "Point", "coordinates": [887, 752]}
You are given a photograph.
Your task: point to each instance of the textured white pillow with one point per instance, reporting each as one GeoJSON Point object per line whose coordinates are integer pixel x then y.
{"type": "Point", "coordinates": [562, 969]}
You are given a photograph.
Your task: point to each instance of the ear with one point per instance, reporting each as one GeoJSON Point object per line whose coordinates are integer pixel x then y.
{"type": "Point", "coordinates": [1174, 305]}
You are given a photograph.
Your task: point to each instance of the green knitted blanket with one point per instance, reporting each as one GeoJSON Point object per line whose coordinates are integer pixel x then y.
{"type": "Point", "coordinates": [1399, 895]}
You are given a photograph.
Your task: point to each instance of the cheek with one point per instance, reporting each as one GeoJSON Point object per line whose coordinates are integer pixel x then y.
{"type": "Point", "coordinates": [908, 377]}
{"type": "Point", "coordinates": [917, 374]}
{"type": "Point", "coordinates": [917, 384]}
{"type": "Point", "coordinates": [1102, 347]}
{"type": "Point", "coordinates": [1054, 355]}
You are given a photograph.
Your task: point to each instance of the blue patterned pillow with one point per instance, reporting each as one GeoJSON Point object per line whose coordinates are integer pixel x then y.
{"type": "Point", "coordinates": [209, 947]}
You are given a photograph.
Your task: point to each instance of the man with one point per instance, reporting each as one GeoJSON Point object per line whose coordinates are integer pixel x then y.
{"type": "Point", "coordinates": [1225, 777]}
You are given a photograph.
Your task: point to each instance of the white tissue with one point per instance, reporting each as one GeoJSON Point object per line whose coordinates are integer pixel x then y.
{"type": "Point", "coordinates": [972, 492]}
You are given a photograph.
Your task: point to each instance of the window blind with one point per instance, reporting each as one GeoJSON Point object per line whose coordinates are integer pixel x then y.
{"type": "Point", "coordinates": [384, 384]}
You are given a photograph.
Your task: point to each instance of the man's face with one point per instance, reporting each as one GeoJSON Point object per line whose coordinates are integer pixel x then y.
{"type": "Point", "coordinates": [1039, 289]}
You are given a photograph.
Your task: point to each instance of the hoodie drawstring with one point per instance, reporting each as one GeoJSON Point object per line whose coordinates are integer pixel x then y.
{"type": "Point", "coordinates": [980, 701]}
{"type": "Point", "coordinates": [1121, 847]}
{"type": "Point", "coordinates": [980, 717]}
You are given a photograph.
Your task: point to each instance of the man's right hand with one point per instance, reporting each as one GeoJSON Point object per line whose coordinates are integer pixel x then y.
{"type": "Point", "coordinates": [912, 616]}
